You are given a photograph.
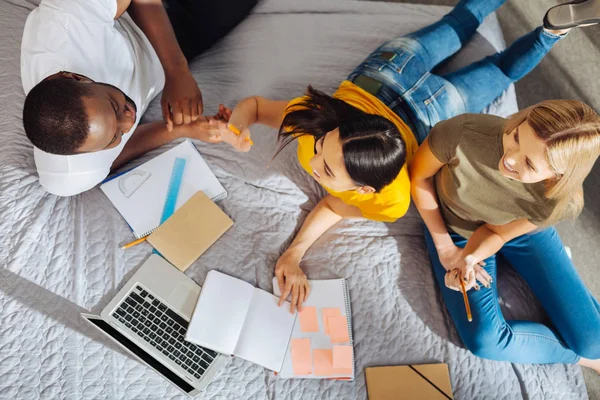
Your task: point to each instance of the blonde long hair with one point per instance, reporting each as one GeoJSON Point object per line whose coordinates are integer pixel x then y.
{"type": "Point", "coordinates": [571, 131]}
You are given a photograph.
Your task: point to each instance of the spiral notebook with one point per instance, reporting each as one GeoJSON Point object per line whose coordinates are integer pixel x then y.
{"type": "Point", "coordinates": [310, 332]}
{"type": "Point", "coordinates": [139, 194]}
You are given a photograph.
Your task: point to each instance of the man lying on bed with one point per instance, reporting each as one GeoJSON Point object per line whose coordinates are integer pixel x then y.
{"type": "Point", "coordinates": [90, 69]}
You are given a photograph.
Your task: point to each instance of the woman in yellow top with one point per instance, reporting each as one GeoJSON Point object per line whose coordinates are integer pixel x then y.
{"type": "Point", "coordinates": [356, 144]}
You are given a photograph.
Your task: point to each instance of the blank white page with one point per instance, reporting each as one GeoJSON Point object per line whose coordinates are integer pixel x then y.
{"type": "Point", "coordinates": [220, 312]}
{"type": "Point", "coordinates": [267, 330]}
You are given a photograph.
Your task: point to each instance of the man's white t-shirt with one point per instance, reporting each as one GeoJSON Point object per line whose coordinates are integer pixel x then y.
{"type": "Point", "coordinates": [82, 36]}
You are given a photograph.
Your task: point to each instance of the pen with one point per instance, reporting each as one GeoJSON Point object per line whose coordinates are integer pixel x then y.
{"type": "Point", "coordinates": [466, 299]}
{"type": "Point", "coordinates": [128, 245]}
{"type": "Point", "coordinates": [235, 130]}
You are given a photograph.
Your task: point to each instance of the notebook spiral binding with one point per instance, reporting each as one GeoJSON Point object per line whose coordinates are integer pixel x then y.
{"type": "Point", "coordinates": [349, 320]}
{"type": "Point", "coordinates": [219, 197]}
{"type": "Point", "coordinates": [145, 233]}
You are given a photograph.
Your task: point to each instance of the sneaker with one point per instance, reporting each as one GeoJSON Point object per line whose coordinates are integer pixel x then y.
{"type": "Point", "coordinates": [573, 14]}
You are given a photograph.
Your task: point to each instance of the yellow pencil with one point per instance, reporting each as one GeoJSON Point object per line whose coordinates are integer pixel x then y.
{"type": "Point", "coordinates": [466, 299]}
{"type": "Point", "coordinates": [128, 245]}
{"type": "Point", "coordinates": [235, 130]}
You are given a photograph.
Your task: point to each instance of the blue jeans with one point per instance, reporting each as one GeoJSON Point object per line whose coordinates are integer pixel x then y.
{"type": "Point", "coordinates": [404, 67]}
{"type": "Point", "coordinates": [541, 260]}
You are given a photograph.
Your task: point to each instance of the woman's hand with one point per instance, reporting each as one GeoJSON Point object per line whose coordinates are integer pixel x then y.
{"type": "Point", "coordinates": [291, 279]}
{"type": "Point", "coordinates": [459, 266]}
{"type": "Point", "coordinates": [215, 129]}
{"type": "Point", "coordinates": [221, 126]}
{"type": "Point", "coordinates": [451, 257]}
{"type": "Point", "coordinates": [470, 272]}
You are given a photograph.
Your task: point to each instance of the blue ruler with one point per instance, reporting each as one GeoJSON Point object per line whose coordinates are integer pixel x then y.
{"type": "Point", "coordinates": [172, 191]}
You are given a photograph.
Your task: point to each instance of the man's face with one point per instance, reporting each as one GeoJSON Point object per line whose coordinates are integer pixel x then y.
{"type": "Point", "coordinates": [111, 114]}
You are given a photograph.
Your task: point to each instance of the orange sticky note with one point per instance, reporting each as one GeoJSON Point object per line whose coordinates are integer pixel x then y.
{"type": "Point", "coordinates": [301, 356]}
{"type": "Point", "coordinates": [308, 319]}
{"type": "Point", "coordinates": [323, 363]}
{"type": "Point", "coordinates": [326, 313]}
{"type": "Point", "coordinates": [338, 329]}
{"type": "Point", "coordinates": [342, 357]}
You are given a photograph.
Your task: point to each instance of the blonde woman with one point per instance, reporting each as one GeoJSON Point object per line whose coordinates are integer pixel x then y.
{"type": "Point", "coordinates": [485, 185]}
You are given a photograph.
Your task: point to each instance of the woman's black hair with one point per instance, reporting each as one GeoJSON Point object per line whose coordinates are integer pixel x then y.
{"type": "Point", "coordinates": [374, 151]}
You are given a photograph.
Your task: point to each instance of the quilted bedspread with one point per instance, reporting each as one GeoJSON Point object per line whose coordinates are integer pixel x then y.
{"type": "Point", "coordinates": [60, 256]}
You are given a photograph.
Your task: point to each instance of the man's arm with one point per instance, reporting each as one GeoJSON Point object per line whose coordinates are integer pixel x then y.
{"type": "Point", "coordinates": [151, 136]}
{"type": "Point", "coordinates": [181, 100]}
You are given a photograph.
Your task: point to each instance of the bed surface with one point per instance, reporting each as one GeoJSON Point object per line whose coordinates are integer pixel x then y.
{"type": "Point", "coordinates": [60, 256]}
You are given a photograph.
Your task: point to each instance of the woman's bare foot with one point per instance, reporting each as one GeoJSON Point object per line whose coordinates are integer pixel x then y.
{"type": "Point", "coordinates": [593, 364]}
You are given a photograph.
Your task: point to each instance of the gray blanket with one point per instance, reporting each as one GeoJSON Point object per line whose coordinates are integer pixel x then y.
{"type": "Point", "coordinates": [60, 256]}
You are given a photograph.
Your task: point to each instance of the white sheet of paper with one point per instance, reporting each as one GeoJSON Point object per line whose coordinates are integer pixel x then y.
{"type": "Point", "coordinates": [220, 312]}
{"type": "Point", "coordinates": [266, 333]}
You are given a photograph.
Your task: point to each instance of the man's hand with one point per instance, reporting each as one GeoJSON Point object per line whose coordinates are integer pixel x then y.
{"type": "Point", "coordinates": [181, 99]}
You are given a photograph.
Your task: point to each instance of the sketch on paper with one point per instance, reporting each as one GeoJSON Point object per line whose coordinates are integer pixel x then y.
{"type": "Point", "coordinates": [132, 181]}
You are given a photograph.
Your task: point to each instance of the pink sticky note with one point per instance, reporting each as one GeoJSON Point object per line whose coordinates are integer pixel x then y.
{"type": "Point", "coordinates": [326, 313]}
{"type": "Point", "coordinates": [338, 329]}
{"type": "Point", "coordinates": [342, 357]}
{"type": "Point", "coordinates": [308, 319]}
{"type": "Point", "coordinates": [323, 363]}
{"type": "Point", "coordinates": [301, 356]}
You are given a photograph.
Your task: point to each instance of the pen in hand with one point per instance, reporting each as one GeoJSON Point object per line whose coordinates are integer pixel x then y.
{"type": "Point", "coordinates": [235, 130]}
{"type": "Point", "coordinates": [466, 299]}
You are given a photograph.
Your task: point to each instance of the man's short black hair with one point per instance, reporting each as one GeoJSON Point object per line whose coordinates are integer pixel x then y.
{"type": "Point", "coordinates": [54, 116]}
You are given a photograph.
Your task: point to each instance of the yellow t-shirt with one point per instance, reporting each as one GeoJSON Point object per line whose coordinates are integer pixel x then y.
{"type": "Point", "coordinates": [392, 201]}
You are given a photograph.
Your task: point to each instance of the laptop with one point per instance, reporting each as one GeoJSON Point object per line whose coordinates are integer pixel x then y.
{"type": "Point", "coordinates": [149, 317]}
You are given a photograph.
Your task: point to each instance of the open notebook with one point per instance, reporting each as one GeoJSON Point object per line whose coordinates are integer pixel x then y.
{"type": "Point", "coordinates": [319, 347]}
{"type": "Point", "coordinates": [234, 317]}
{"type": "Point", "coordinates": [139, 194]}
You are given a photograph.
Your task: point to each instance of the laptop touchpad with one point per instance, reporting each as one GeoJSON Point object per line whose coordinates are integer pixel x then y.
{"type": "Point", "coordinates": [184, 298]}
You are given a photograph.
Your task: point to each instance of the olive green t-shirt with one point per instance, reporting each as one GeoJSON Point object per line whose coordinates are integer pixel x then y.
{"type": "Point", "coordinates": [470, 188]}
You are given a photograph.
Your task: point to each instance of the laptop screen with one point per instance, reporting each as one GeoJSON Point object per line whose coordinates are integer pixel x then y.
{"type": "Point", "coordinates": [135, 349]}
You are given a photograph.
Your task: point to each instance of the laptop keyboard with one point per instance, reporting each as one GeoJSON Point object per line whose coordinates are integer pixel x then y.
{"type": "Point", "coordinates": [157, 324]}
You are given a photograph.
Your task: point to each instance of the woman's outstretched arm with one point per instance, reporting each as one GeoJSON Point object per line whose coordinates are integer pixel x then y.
{"type": "Point", "coordinates": [290, 277]}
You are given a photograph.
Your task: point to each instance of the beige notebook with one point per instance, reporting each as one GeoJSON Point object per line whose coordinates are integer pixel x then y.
{"type": "Point", "coordinates": [409, 382]}
{"type": "Point", "coordinates": [190, 231]}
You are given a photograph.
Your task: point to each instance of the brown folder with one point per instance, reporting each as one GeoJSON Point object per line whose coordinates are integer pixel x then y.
{"type": "Point", "coordinates": [409, 382]}
{"type": "Point", "coordinates": [190, 231]}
